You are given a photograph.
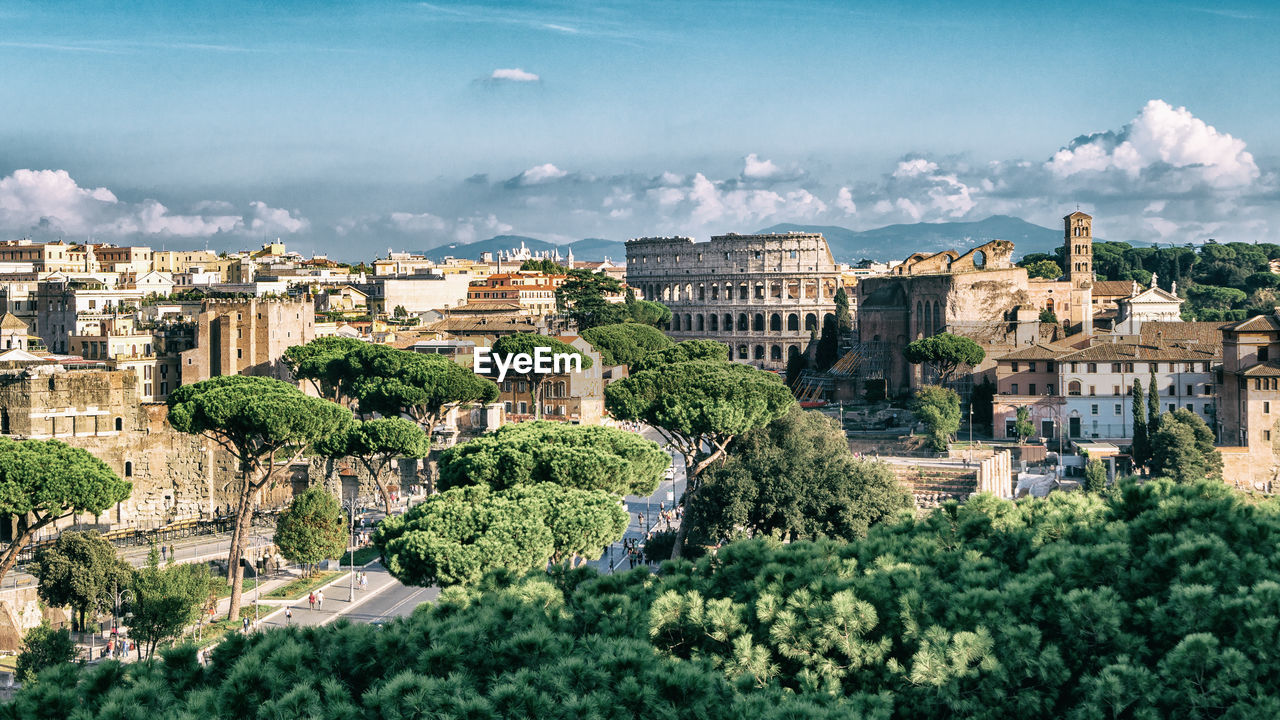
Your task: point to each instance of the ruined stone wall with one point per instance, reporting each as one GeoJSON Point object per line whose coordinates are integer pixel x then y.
{"type": "Point", "coordinates": [247, 337]}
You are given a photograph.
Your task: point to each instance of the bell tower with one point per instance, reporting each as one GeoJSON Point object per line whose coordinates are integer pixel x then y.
{"type": "Point", "coordinates": [1078, 254]}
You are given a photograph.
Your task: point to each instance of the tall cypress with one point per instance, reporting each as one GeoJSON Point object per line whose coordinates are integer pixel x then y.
{"type": "Point", "coordinates": [1141, 451]}
{"type": "Point", "coordinates": [1153, 405]}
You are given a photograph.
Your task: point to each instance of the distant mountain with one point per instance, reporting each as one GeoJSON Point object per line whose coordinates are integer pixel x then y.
{"type": "Point", "coordinates": [896, 242]}
{"type": "Point", "coordinates": [588, 249]}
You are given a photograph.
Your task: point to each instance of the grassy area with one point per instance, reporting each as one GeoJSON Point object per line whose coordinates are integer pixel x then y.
{"type": "Point", "coordinates": [363, 555]}
{"type": "Point", "coordinates": [213, 632]}
{"type": "Point", "coordinates": [300, 587]}
{"type": "Point", "coordinates": [9, 663]}
{"type": "Point", "coordinates": [249, 585]}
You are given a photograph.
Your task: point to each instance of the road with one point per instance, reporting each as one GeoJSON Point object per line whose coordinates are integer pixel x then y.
{"type": "Point", "coordinates": [615, 557]}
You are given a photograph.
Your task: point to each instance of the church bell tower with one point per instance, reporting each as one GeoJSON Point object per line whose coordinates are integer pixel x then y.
{"type": "Point", "coordinates": [1078, 254]}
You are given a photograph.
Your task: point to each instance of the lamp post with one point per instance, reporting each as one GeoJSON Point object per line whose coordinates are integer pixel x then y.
{"type": "Point", "coordinates": [351, 597]}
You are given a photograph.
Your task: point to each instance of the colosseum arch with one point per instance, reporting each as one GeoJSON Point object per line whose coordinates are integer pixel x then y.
{"type": "Point", "coordinates": [715, 291]}
{"type": "Point", "coordinates": [743, 323]}
{"type": "Point", "coordinates": [793, 289]}
{"type": "Point", "coordinates": [793, 322]}
{"type": "Point", "coordinates": [775, 290]}
{"type": "Point", "coordinates": [775, 322]}
{"type": "Point", "coordinates": [728, 323]}
{"type": "Point", "coordinates": [829, 318]}
{"type": "Point", "coordinates": [675, 322]}
{"type": "Point", "coordinates": [713, 323]}
{"type": "Point", "coordinates": [698, 322]}
{"type": "Point", "coordinates": [743, 293]}
{"type": "Point", "coordinates": [688, 322]}
{"type": "Point", "coordinates": [743, 353]}
{"type": "Point", "coordinates": [758, 325]}
{"type": "Point", "coordinates": [937, 317]}
{"type": "Point", "coordinates": [775, 352]}
{"type": "Point", "coordinates": [759, 352]}
{"type": "Point", "coordinates": [810, 321]}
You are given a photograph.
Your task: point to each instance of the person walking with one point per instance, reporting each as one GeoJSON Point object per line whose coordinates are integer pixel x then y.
{"type": "Point", "coordinates": [245, 622]}
{"type": "Point", "coordinates": [320, 600]}
{"type": "Point", "coordinates": [311, 599]}
{"type": "Point", "coordinates": [163, 549]}
{"type": "Point", "coordinates": [288, 615]}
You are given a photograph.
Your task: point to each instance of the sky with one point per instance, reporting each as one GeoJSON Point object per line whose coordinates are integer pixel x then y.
{"type": "Point", "coordinates": [351, 128]}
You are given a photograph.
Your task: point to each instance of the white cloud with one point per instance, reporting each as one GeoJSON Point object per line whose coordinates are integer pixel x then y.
{"type": "Point", "coordinates": [1161, 135]}
{"type": "Point", "coordinates": [844, 201]}
{"type": "Point", "coordinates": [757, 169]}
{"type": "Point", "coordinates": [915, 167]}
{"type": "Point", "coordinates": [514, 75]}
{"type": "Point", "coordinates": [264, 219]}
{"type": "Point", "coordinates": [537, 175]}
{"type": "Point", "coordinates": [417, 222]}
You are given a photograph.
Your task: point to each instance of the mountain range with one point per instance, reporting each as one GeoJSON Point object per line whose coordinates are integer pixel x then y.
{"type": "Point", "coordinates": [892, 242]}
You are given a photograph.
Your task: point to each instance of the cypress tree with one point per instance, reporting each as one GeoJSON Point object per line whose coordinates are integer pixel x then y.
{"type": "Point", "coordinates": [1153, 405]}
{"type": "Point", "coordinates": [1141, 451]}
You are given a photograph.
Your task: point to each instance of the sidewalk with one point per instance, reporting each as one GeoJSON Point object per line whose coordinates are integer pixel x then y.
{"type": "Point", "coordinates": [337, 600]}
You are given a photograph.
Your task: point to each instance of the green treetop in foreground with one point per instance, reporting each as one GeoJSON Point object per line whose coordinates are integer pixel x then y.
{"type": "Point", "coordinates": [625, 343]}
{"type": "Point", "coordinates": [376, 444]}
{"type": "Point", "coordinates": [1156, 601]}
{"type": "Point", "coordinates": [939, 409]}
{"type": "Point", "coordinates": [314, 528]}
{"type": "Point", "coordinates": [947, 353]}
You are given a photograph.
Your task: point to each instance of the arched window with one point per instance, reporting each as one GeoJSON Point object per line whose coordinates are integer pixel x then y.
{"type": "Point", "coordinates": [759, 352]}
{"type": "Point", "coordinates": [675, 322]}
{"type": "Point", "coordinates": [688, 292]}
{"type": "Point", "coordinates": [1073, 387]}
{"type": "Point", "coordinates": [829, 318]}
{"type": "Point", "coordinates": [742, 352]}
{"type": "Point", "coordinates": [758, 325]}
{"type": "Point", "coordinates": [688, 322]}
{"type": "Point", "coordinates": [980, 259]}
{"type": "Point", "coordinates": [743, 293]}
{"type": "Point", "coordinates": [742, 322]}
{"type": "Point", "coordinates": [128, 469]}
{"type": "Point", "coordinates": [698, 322]}
{"type": "Point", "coordinates": [793, 322]}
{"type": "Point", "coordinates": [119, 424]}
{"type": "Point", "coordinates": [1048, 304]}
{"type": "Point", "coordinates": [728, 323]}
{"type": "Point", "coordinates": [715, 291]}
{"type": "Point", "coordinates": [810, 321]}
{"type": "Point", "coordinates": [666, 293]}
{"type": "Point", "coordinates": [713, 322]}
{"type": "Point", "coordinates": [775, 352]}
{"type": "Point", "coordinates": [702, 291]}
{"type": "Point", "coordinates": [937, 317]}
{"type": "Point", "coordinates": [775, 322]}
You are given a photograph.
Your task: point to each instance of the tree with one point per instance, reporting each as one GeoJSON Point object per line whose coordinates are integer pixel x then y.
{"type": "Point", "coordinates": [939, 409]}
{"type": "Point", "coordinates": [43, 647]}
{"type": "Point", "coordinates": [376, 444]}
{"type": "Point", "coordinates": [797, 363]}
{"type": "Point", "coordinates": [165, 601]}
{"type": "Point", "coordinates": [1153, 406]}
{"type": "Point", "coordinates": [1182, 448]}
{"type": "Point", "coordinates": [582, 297]}
{"type": "Point", "coordinates": [699, 406]}
{"type": "Point", "coordinates": [457, 536]}
{"type": "Point", "coordinates": [1141, 449]}
{"type": "Point", "coordinates": [649, 312]}
{"type": "Point", "coordinates": [526, 344]}
{"type": "Point", "coordinates": [392, 382]}
{"type": "Point", "coordinates": [322, 363]}
{"type": "Point", "coordinates": [544, 265]}
{"type": "Point", "coordinates": [314, 528]}
{"type": "Point", "coordinates": [44, 481]}
{"type": "Point", "coordinates": [581, 456]}
{"type": "Point", "coordinates": [796, 479]}
{"type": "Point", "coordinates": [844, 319]}
{"type": "Point", "coordinates": [1095, 476]}
{"type": "Point", "coordinates": [81, 570]}
{"type": "Point", "coordinates": [265, 425]}
{"type": "Point", "coordinates": [1048, 316]}
{"type": "Point", "coordinates": [1047, 269]}
{"type": "Point", "coordinates": [1022, 424]}
{"type": "Point", "coordinates": [946, 353]}
{"type": "Point", "coordinates": [828, 346]}
{"type": "Point", "coordinates": [625, 343]}
{"type": "Point", "coordinates": [686, 351]}
{"type": "Point", "coordinates": [399, 312]}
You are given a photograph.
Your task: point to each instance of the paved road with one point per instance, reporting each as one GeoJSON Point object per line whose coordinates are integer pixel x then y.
{"type": "Point", "coordinates": [647, 507]}
{"type": "Point", "coordinates": [396, 601]}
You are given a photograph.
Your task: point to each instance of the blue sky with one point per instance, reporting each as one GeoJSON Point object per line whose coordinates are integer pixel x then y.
{"type": "Point", "coordinates": [366, 125]}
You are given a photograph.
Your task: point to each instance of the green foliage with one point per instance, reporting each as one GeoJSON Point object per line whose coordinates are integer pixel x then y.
{"type": "Point", "coordinates": [582, 298]}
{"type": "Point", "coordinates": [939, 409]}
{"type": "Point", "coordinates": [44, 647]}
{"type": "Point", "coordinates": [625, 343]}
{"type": "Point", "coordinates": [376, 444]}
{"type": "Point", "coordinates": [1156, 601]}
{"type": "Point", "coordinates": [1022, 424]}
{"type": "Point", "coordinates": [1048, 316]}
{"type": "Point", "coordinates": [164, 601]}
{"type": "Point", "coordinates": [43, 481]}
{"type": "Point", "coordinates": [399, 312]}
{"type": "Point", "coordinates": [1182, 448]}
{"type": "Point", "coordinates": [82, 570]}
{"type": "Point", "coordinates": [649, 312]}
{"type": "Point", "coordinates": [1047, 269]}
{"type": "Point", "coordinates": [797, 363]}
{"type": "Point", "coordinates": [945, 352]}
{"type": "Point", "coordinates": [320, 362]}
{"type": "Point", "coordinates": [683, 352]}
{"type": "Point", "coordinates": [586, 457]}
{"type": "Point", "coordinates": [455, 537]}
{"type": "Point", "coordinates": [1141, 449]}
{"type": "Point", "coordinates": [314, 528]}
{"type": "Point", "coordinates": [828, 350]}
{"type": "Point", "coordinates": [545, 265]}
{"type": "Point", "coordinates": [393, 382]}
{"type": "Point", "coordinates": [796, 479]}
{"type": "Point", "coordinates": [844, 319]}
{"type": "Point", "coordinates": [1095, 476]}
{"type": "Point", "coordinates": [1153, 405]}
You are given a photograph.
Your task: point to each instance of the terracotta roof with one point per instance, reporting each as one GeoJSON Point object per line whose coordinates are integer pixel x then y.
{"type": "Point", "coordinates": [1134, 352]}
{"type": "Point", "coordinates": [1113, 287]}
{"type": "Point", "coordinates": [491, 326]}
{"type": "Point", "coordinates": [1257, 323]}
{"type": "Point", "coordinates": [1037, 352]}
{"type": "Point", "coordinates": [9, 321]}
{"type": "Point", "coordinates": [1266, 369]}
{"type": "Point", "coordinates": [1207, 333]}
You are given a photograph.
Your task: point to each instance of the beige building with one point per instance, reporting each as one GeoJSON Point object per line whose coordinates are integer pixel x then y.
{"type": "Point", "coordinates": [178, 261]}
{"type": "Point", "coordinates": [576, 397]}
{"type": "Point", "coordinates": [247, 337]}
{"type": "Point", "coordinates": [44, 257]}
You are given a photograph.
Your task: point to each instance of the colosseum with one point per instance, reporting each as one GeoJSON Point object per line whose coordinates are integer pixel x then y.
{"type": "Point", "coordinates": [760, 295]}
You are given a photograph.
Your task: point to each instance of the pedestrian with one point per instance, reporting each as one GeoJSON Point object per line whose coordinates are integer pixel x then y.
{"type": "Point", "coordinates": [245, 623]}
{"type": "Point", "coordinates": [311, 599]}
{"type": "Point", "coordinates": [288, 615]}
{"type": "Point", "coordinates": [162, 553]}
{"type": "Point", "coordinates": [319, 600]}
{"type": "Point", "coordinates": [173, 553]}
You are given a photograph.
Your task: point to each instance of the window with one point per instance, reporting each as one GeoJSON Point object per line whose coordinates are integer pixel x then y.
{"type": "Point", "coordinates": [1191, 389]}
{"type": "Point", "coordinates": [1093, 390]}
{"type": "Point", "coordinates": [1093, 409]}
{"type": "Point", "coordinates": [1015, 367]}
{"type": "Point", "coordinates": [1128, 367]}
{"type": "Point", "coordinates": [1048, 366]}
{"type": "Point", "coordinates": [1266, 435]}
{"type": "Point", "coordinates": [1031, 389]}
{"type": "Point", "coordinates": [1115, 367]}
{"type": "Point", "coordinates": [524, 408]}
{"type": "Point", "coordinates": [1031, 367]}
{"type": "Point", "coordinates": [1172, 388]}
{"type": "Point", "coordinates": [1263, 354]}
{"type": "Point", "coordinates": [119, 424]}
{"type": "Point", "coordinates": [128, 469]}
{"type": "Point", "coordinates": [1073, 387]}
{"type": "Point", "coordinates": [1266, 407]}
{"type": "Point", "coordinates": [1048, 389]}
{"type": "Point", "coordinates": [1115, 390]}
{"type": "Point", "coordinates": [1119, 409]}
{"type": "Point", "coordinates": [1172, 407]}
{"type": "Point", "coordinates": [1014, 388]}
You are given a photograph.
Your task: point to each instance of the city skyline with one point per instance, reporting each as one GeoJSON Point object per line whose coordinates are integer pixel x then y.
{"type": "Point", "coordinates": [412, 125]}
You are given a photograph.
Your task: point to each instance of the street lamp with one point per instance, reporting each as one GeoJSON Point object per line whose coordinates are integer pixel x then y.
{"type": "Point", "coordinates": [351, 598]}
